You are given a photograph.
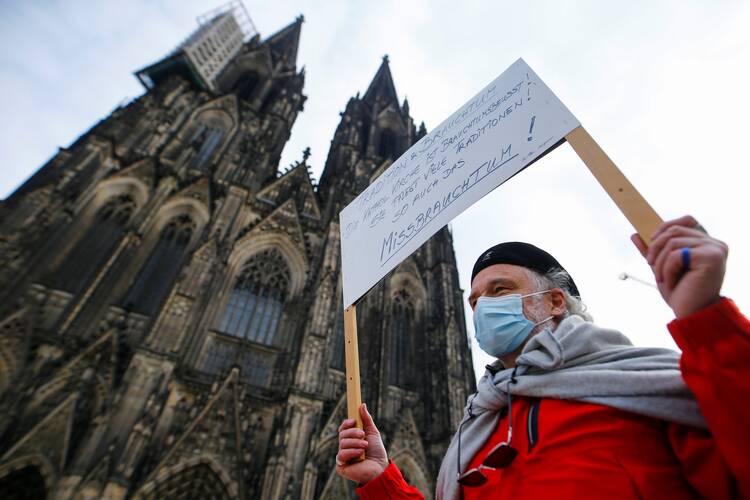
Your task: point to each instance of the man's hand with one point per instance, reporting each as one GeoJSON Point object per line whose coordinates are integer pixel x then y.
{"type": "Point", "coordinates": [685, 289]}
{"type": "Point", "coordinates": [352, 442]}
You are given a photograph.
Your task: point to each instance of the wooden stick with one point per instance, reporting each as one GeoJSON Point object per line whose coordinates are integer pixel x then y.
{"type": "Point", "coordinates": [637, 210]}
{"type": "Point", "coordinates": [353, 389]}
{"type": "Point", "coordinates": [351, 350]}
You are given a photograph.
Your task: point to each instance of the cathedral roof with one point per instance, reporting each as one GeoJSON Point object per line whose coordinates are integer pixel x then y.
{"type": "Point", "coordinates": [296, 184]}
{"type": "Point", "coordinates": [285, 42]}
{"type": "Point", "coordinates": [382, 86]}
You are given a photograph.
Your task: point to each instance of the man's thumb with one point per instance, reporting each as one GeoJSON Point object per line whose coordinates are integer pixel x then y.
{"type": "Point", "coordinates": [367, 421]}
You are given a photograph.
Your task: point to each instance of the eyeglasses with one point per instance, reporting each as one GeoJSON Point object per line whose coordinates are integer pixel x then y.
{"type": "Point", "coordinates": [502, 455]}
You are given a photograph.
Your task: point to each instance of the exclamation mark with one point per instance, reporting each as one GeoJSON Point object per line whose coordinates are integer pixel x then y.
{"type": "Point", "coordinates": [531, 127]}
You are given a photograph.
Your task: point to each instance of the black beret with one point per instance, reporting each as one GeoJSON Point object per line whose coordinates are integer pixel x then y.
{"type": "Point", "coordinates": [524, 255]}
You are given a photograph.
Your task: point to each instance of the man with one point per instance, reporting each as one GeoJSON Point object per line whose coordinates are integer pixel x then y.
{"type": "Point", "coordinates": [593, 416]}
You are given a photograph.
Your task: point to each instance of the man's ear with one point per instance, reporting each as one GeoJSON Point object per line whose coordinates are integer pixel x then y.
{"type": "Point", "coordinates": [557, 297]}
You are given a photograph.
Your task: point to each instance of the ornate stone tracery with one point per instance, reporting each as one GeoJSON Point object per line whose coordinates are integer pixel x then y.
{"type": "Point", "coordinates": [257, 299]}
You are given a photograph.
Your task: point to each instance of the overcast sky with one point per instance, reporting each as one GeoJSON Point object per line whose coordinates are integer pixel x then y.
{"type": "Point", "coordinates": [662, 86]}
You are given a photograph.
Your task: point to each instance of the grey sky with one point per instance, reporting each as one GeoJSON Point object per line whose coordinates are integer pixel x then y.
{"type": "Point", "coordinates": [662, 86]}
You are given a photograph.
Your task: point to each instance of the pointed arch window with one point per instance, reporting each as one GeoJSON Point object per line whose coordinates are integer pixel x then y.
{"type": "Point", "coordinates": [257, 299]}
{"type": "Point", "coordinates": [161, 267]}
{"type": "Point", "coordinates": [255, 367]}
{"type": "Point", "coordinates": [387, 147]}
{"type": "Point", "coordinates": [206, 141]}
{"type": "Point", "coordinates": [198, 481]}
{"type": "Point", "coordinates": [95, 246]}
{"type": "Point", "coordinates": [402, 340]}
{"type": "Point", "coordinates": [246, 85]}
{"type": "Point", "coordinates": [219, 357]}
{"type": "Point", "coordinates": [26, 482]}
{"type": "Point", "coordinates": [364, 134]}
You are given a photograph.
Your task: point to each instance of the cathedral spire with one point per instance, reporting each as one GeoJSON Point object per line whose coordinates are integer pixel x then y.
{"type": "Point", "coordinates": [285, 43]}
{"type": "Point", "coordinates": [382, 85]}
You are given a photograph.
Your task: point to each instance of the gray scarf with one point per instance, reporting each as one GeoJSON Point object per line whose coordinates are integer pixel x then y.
{"type": "Point", "coordinates": [578, 361]}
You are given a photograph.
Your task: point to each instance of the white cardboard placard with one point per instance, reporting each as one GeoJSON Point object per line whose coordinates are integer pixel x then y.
{"type": "Point", "coordinates": [510, 123]}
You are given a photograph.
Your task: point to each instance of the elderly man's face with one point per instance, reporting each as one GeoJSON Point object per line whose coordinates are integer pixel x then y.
{"type": "Point", "coordinates": [505, 279]}
{"type": "Point", "coordinates": [498, 280]}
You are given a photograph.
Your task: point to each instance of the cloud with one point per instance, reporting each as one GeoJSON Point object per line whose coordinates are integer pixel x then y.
{"type": "Point", "coordinates": [660, 85]}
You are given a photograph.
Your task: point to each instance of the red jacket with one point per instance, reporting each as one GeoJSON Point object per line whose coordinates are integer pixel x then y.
{"type": "Point", "coordinates": [569, 449]}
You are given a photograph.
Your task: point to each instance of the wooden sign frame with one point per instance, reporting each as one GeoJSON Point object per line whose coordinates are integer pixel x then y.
{"type": "Point", "coordinates": [351, 353]}
{"type": "Point", "coordinates": [635, 208]}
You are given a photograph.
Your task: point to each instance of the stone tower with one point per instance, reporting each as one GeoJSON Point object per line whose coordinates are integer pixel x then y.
{"type": "Point", "coordinates": [171, 306]}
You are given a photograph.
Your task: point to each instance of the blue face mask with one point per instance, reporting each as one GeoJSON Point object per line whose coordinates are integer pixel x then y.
{"type": "Point", "coordinates": [500, 325]}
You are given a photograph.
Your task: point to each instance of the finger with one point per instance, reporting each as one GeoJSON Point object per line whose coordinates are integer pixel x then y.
{"type": "Point", "coordinates": [671, 245]}
{"type": "Point", "coordinates": [346, 424]}
{"type": "Point", "coordinates": [351, 434]}
{"type": "Point", "coordinates": [639, 243]}
{"type": "Point", "coordinates": [348, 454]}
{"type": "Point", "coordinates": [346, 444]}
{"type": "Point", "coordinates": [685, 221]}
{"type": "Point", "coordinates": [658, 243]}
{"type": "Point", "coordinates": [367, 423]}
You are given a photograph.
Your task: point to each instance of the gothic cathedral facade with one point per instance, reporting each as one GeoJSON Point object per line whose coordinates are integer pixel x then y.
{"type": "Point", "coordinates": [171, 307]}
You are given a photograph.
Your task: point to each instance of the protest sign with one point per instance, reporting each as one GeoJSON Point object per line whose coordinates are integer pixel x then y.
{"type": "Point", "coordinates": [505, 127]}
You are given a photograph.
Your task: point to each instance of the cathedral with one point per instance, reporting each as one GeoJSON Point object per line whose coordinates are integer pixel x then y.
{"type": "Point", "coordinates": [171, 321]}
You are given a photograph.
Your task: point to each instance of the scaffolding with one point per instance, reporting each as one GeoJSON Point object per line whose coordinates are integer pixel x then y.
{"type": "Point", "coordinates": [239, 11]}
{"type": "Point", "coordinates": [203, 55]}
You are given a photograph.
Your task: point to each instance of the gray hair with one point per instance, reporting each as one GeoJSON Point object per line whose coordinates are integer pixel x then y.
{"type": "Point", "coordinates": [559, 278]}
